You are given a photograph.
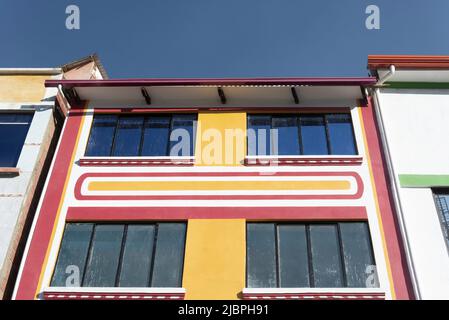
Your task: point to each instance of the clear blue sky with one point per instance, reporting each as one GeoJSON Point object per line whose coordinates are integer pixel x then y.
{"type": "Point", "coordinates": [227, 38]}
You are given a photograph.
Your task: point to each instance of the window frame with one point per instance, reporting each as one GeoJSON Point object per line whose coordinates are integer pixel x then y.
{"type": "Point", "coordinates": [436, 192]}
{"type": "Point", "coordinates": [307, 225]}
{"type": "Point", "coordinates": [125, 225]}
{"type": "Point", "coordinates": [30, 113]}
{"type": "Point", "coordinates": [298, 116]}
{"type": "Point", "coordinates": [142, 134]}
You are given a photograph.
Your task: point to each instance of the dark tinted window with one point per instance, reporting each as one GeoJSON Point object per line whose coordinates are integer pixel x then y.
{"type": "Point", "coordinates": [261, 255]}
{"type": "Point", "coordinates": [301, 134]}
{"type": "Point", "coordinates": [13, 131]}
{"type": "Point", "coordinates": [112, 255]}
{"type": "Point", "coordinates": [313, 134]}
{"type": "Point", "coordinates": [442, 203]}
{"type": "Point", "coordinates": [259, 142]}
{"type": "Point", "coordinates": [309, 255]}
{"type": "Point", "coordinates": [128, 136]}
{"type": "Point", "coordinates": [341, 134]}
{"type": "Point", "coordinates": [101, 135]}
{"type": "Point", "coordinates": [141, 136]}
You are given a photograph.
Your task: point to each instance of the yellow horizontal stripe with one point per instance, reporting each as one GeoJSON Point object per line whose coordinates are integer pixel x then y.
{"type": "Point", "coordinates": [217, 185]}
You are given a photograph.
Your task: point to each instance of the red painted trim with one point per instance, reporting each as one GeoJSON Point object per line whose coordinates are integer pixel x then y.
{"type": "Point", "coordinates": [315, 296]}
{"type": "Point", "coordinates": [80, 196]}
{"type": "Point", "coordinates": [407, 62]}
{"type": "Point", "coordinates": [300, 161]}
{"type": "Point", "coordinates": [393, 238]}
{"type": "Point", "coordinates": [339, 81]}
{"type": "Point", "coordinates": [83, 295]}
{"type": "Point", "coordinates": [98, 162]}
{"type": "Point", "coordinates": [40, 239]}
{"type": "Point", "coordinates": [85, 214]}
{"type": "Point", "coordinates": [133, 110]}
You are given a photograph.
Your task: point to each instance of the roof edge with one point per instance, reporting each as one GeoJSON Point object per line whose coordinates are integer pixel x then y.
{"type": "Point", "coordinates": [376, 62]}
{"type": "Point", "coordinates": [352, 81]}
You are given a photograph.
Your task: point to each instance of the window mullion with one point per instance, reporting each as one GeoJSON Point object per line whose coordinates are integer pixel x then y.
{"type": "Point", "coordinates": [329, 147]}
{"type": "Point", "coordinates": [277, 256]}
{"type": "Point", "coordinates": [89, 255]}
{"type": "Point", "coordinates": [342, 256]}
{"type": "Point", "coordinates": [120, 260]}
{"type": "Point", "coordinates": [309, 257]}
{"type": "Point", "coordinates": [111, 152]}
{"type": "Point", "coordinates": [150, 278]}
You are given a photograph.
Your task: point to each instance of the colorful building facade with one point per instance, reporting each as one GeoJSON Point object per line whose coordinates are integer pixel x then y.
{"type": "Point", "coordinates": [216, 189]}
{"type": "Point", "coordinates": [411, 104]}
{"type": "Point", "coordinates": [31, 118]}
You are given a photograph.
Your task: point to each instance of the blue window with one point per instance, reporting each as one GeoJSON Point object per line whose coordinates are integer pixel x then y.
{"type": "Point", "coordinates": [121, 255]}
{"type": "Point", "coordinates": [13, 131]}
{"type": "Point", "coordinates": [301, 135]}
{"type": "Point", "coordinates": [128, 136]}
{"type": "Point", "coordinates": [259, 142]}
{"type": "Point", "coordinates": [102, 135]}
{"type": "Point", "coordinates": [293, 255]}
{"type": "Point", "coordinates": [132, 136]}
{"type": "Point", "coordinates": [313, 134]}
{"type": "Point", "coordinates": [156, 136]}
{"type": "Point", "coordinates": [341, 134]}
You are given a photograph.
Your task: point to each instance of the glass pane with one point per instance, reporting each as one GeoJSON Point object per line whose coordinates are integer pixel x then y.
{"type": "Point", "coordinates": [169, 257]}
{"type": "Point", "coordinates": [357, 252]}
{"type": "Point", "coordinates": [341, 135]}
{"type": "Point", "coordinates": [261, 255]}
{"type": "Point", "coordinates": [260, 125]}
{"type": "Point", "coordinates": [137, 256]}
{"type": "Point", "coordinates": [156, 136]}
{"type": "Point", "coordinates": [101, 136]}
{"type": "Point", "coordinates": [293, 261]}
{"type": "Point", "coordinates": [72, 255]}
{"type": "Point", "coordinates": [103, 262]}
{"type": "Point", "coordinates": [442, 202]}
{"type": "Point", "coordinates": [326, 260]}
{"type": "Point", "coordinates": [183, 127]}
{"type": "Point", "coordinates": [313, 135]}
{"type": "Point", "coordinates": [128, 136]}
{"type": "Point", "coordinates": [13, 131]}
{"type": "Point", "coordinates": [288, 135]}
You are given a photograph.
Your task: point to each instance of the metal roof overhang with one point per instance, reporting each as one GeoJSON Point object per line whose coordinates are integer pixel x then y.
{"type": "Point", "coordinates": [247, 92]}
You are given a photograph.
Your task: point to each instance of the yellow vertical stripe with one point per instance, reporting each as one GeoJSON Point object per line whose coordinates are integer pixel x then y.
{"type": "Point", "coordinates": [215, 259]}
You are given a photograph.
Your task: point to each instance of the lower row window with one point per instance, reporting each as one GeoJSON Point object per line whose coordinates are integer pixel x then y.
{"type": "Point", "coordinates": [321, 255]}
{"type": "Point", "coordinates": [121, 255]}
{"type": "Point", "coordinates": [309, 255]}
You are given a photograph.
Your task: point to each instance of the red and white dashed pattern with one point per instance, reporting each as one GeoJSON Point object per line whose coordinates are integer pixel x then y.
{"type": "Point", "coordinates": [315, 296]}
{"type": "Point", "coordinates": [331, 161]}
{"type": "Point", "coordinates": [134, 162]}
{"type": "Point", "coordinates": [110, 296]}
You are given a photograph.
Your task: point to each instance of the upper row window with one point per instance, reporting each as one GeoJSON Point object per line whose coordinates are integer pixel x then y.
{"type": "Point", "coordinates": [113, 135]}
{"type": "Point", "coordinates": [13, 131]}
{"type": "Point", "coordinates": [301, 135]}
{"type": "Point", "coordinates": [170, 135]}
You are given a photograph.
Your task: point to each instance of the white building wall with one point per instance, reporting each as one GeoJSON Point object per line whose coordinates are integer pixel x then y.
{"type": "Point", "coordinates": [13, 189]}
{"type": "Point", "coordinates": [417, 128]}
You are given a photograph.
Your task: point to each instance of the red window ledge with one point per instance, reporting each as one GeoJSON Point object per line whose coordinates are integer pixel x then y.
{"type": "Point", "coordinates": [9, 171]}
{"type": "Point", "coordinates": [313, 294]}
{"type": "Point", "coordinates": [136, 162]}
{"type": "Point", "coordinates": [303, 161]}
{"type": "Point", "coordinates": [67, 293]}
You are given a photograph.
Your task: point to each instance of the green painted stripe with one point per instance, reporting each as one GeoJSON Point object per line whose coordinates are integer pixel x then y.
{"type": "Point", "coordinates": [423, 180]}
{"type": "Point", "coordinates": [417, 85]}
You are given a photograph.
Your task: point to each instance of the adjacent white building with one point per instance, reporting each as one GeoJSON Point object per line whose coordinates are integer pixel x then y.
{"type": "Point", "coordinates": [411, 101]}
{"type": "Point", "coordinates": [31, 118]}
